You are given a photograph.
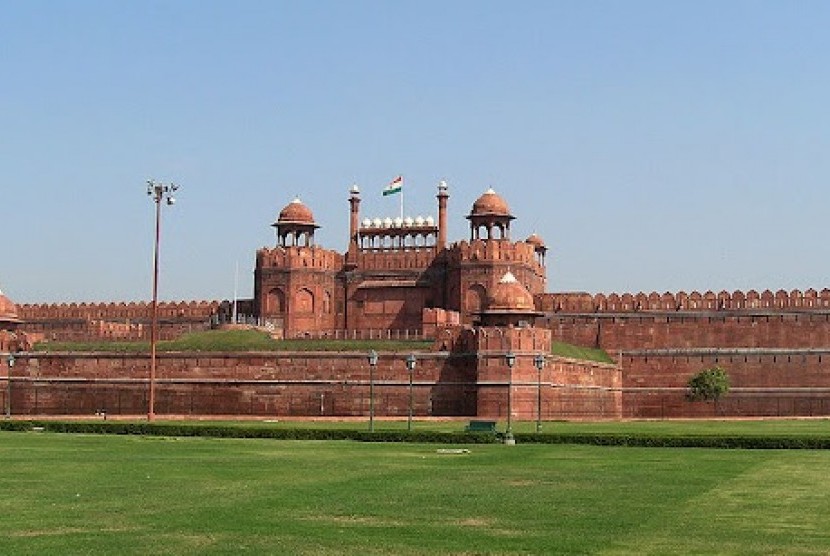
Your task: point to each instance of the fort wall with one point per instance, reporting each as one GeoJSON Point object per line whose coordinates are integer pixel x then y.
{"type": "Point", "coordinates": [808, 300]}
{"type": "Point", "coordinates": [763, 382]}
{"type": "Point", "coordinates": [89, 321]}
{"type": "Point", "coordinates": [283, 384]}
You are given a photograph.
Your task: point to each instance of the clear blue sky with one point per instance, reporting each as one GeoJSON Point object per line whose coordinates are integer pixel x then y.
{"type": "Point", "coordinates": [654, 145]}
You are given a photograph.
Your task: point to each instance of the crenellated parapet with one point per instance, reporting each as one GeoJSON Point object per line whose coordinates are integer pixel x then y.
{"type": "Point", "coordinates": [299, 257]}
{"type": "Point", "coordinates": [752, 300]}
{"type": "Point", "coordinates": [411, 259]}
{"type": "Point", "coordinates": [189, 310]}
{"type": "Point", "coordinates": [494, 251]}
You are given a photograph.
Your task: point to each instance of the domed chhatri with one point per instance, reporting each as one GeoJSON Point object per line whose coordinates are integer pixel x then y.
{"type": "Point", "coordinates": [296, 212]}
{"type": "Point", "coordinates": [295, 225]}
{"type": "Point", "coordinates": [508, 303]}
{"type": "Point", "coordinates": [536, 241]}
{"type": "Point", "coordinates": [490, 204]}
{"type": "Point", "coordinates": [8, 312]}
{"type": "Point", "coordinates": [491, 214]}
{"type": "Point", "coordinates": [510, 296]}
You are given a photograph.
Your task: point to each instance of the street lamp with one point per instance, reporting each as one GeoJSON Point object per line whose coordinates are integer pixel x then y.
{"type": "Point", "coordinates": [158, 192]}
{"type": "Point", "coordinates": [539, 362]}
{"type": "Point", "coordinates": [410, 366]}
{"type": "Point", "coordinates": [373, 362]}
{"type": "Point", "coordinates": [510, 359]}
{"type": "Point", "coordinates": [10, 362]}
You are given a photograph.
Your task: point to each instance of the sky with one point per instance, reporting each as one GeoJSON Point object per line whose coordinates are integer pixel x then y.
{"type": "Point", "coordinates": [655, 146]}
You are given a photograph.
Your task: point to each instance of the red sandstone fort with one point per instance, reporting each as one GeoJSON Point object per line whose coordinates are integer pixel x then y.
{"type": "Point", "coordinates": [476, 300]}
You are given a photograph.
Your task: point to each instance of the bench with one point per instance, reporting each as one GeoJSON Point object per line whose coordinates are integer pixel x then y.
{"type": "Point", "coordinates": [481, 426]}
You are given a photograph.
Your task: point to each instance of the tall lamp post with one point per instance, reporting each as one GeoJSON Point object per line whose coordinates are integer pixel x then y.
{"type": "Point", "coordinates": [510, 359]}
{"type": "Point", "coordinates": [410, 366]}
{"type": "Point", "coordinates": [539, 362]}
{"type": "Point", "coordinates": [158, 192]}
{"type": "Point", "coordinates": [373, 362]}
{"type": "Point", "coordinates": [10, 362]}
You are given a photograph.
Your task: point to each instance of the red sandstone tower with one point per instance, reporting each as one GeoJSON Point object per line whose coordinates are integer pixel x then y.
{"type": "Point", "coordinates": [477, 265]}
{"type": "Point", "coordinates": [295, 283]}
{"type": "Point", "coordinates": [506, 329]}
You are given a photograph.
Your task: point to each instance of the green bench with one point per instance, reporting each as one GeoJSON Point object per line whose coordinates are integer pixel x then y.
{"type": "Point", "coordinates": [481, 426]}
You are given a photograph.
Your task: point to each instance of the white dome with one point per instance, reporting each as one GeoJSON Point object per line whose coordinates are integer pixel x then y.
{"type": "Point", "coordinates": [430, 221]}
{"type": "Point", "coordinates": [387, 222]}
{"type": "Point", "coordinates": [366, 223]}
{"type": "Point", "coordinates": [377, 222]}
{"type": "Point", "coordinates": [408, 221]}
{"type": "Point", "coordinates": [419, 220]}
{"type": "Point", "coordinates": [398, 222]}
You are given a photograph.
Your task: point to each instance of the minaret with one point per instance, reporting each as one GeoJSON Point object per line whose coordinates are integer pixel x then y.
{"type": "Point", "coordinates": [354, 203]}
{"type": "Point", "coordinates": [442, 215]}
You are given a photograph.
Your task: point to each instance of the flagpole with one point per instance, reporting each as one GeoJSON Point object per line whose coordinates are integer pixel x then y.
{"type": "Point", "coordinates": [401, 199]}
{"type": "Point", "coordinates": [235, 288]}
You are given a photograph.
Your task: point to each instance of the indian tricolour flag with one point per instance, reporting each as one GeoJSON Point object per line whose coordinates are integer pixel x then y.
{"type": "Point", "coordinates": [395, 186]}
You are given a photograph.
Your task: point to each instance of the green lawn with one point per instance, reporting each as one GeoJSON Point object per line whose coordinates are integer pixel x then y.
{"type": "Point", "coordinates": [254, 340]}
{"type": "Point", "coordinates": [73, 494]}
{"type": "Point", "coordinates": [236, 341]}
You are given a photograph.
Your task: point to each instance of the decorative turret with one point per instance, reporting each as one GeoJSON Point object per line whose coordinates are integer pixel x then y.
{"type": "Point", "coordinates": [508, 303]}
{"type": "Point", "coordinates": [538, 246]}
{"type": "Point", "coordinates": [8, 313]}
{"type": "Point", "coordinates": [490, 212]}
{"type": "Point", "coordinates": [295, 225]}
{"type": "Point", "coordinates": [442, 215]}
{"type": "Point", "coordinates": [354, 216]}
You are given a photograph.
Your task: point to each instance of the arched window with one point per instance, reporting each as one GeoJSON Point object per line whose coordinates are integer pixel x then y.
{"type": "Point", "coordinates": [304, 301]}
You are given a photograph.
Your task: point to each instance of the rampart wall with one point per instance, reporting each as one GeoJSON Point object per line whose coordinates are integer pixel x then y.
{"type": "Point", "coordinates": [682, 301]}
{"type": "Point", "coordinates": [286, 384]}
{"type": "Point", "coordinates": [774, 346]}
{"type": "Point", "coordinates": [763, 382]}
{"type": "Point", "coordinates": [88, 321]}
{"type": "Point", "coordinates": [722, 329]}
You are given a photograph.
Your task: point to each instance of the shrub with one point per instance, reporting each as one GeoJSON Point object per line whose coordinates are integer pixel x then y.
{"type": "Point", "coordinates": [709, 385]}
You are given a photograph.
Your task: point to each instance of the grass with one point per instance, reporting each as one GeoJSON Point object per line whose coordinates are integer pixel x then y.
{"type": "Point", "coordinates": [583, 353]}
{"type": "Point", "coordinates": [255, 340]}
{"type": "Point", "coordinates": [236, 341]}
{"type": "Point", "coordinates": [74, 494]}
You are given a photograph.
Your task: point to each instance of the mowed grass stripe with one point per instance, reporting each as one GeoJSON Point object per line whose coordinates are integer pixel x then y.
{"type": "Point", "coordinates": [780, 506]}
{"type": "Point", "coordinates": [71, 494]}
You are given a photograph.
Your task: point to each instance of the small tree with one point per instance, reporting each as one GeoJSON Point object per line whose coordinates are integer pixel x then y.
{"type": "Point", "coordinates": [709, 385]}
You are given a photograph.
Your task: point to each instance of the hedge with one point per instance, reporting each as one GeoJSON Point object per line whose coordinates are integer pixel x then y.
{"type": "Point", "coordinates": [606, 439]}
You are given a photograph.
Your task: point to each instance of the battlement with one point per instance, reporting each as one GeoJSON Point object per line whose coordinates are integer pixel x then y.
{"type": "Point", "coordinates": [494, 250]}
{"type": "Point", "coordinates": [578, 302]}
{"type": "Point", "coordinates": [409, 259]}
{"type": "Point", "coordinates": [297, 257]}
{"type": "Point", "coordinates": [186, 310]}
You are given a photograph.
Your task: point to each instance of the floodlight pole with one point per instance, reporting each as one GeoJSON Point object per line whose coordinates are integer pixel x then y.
{"type": "Point", "coordinates": [10, 363]}
{"type": "Point", "coordinates": [157, 192]}
{"type": "Point", "coordinates": [410, 366]}
{"type": "Point", "coordinates": [373, 362]}
{"type": "Point", "coordinates": [539, 362]}
{"type": "Point", "coordinates": [510, 359]}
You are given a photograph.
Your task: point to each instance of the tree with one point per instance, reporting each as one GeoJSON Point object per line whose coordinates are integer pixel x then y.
{"type": "Point", "coordinates": [709, 385]}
